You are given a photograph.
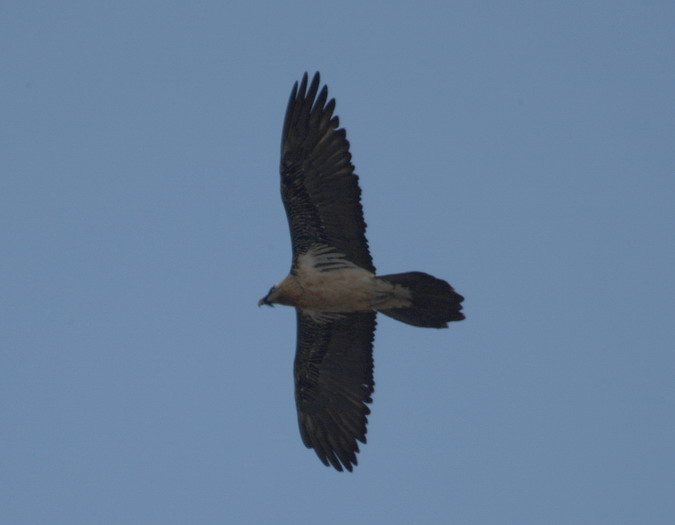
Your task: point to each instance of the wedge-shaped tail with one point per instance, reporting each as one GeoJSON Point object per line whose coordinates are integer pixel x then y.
{"type": "Point", "coordinates": [434, 302]}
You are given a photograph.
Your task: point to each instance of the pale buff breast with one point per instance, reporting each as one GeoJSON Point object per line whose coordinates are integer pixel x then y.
{"type": "Point", "coordinates": [325, 281]}
{"type": "Point", "coordinates": [344, 290]}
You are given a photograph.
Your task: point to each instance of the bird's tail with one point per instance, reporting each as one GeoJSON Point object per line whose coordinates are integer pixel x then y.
{"type": "Point", "coordinates": [434, 303]}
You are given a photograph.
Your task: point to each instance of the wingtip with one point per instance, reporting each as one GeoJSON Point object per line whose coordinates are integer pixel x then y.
{"type": "Point", "coordinates": [316, 77]}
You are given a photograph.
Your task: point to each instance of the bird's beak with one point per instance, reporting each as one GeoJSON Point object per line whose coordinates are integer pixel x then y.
{"type": "Point", "coordinates": [264, 301]}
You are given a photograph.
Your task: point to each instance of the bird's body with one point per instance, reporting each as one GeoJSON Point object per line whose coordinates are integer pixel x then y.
{"type": "Point", "coordinates": [343, 288]}
{"type": "Point", "coordinates": [332, 283]}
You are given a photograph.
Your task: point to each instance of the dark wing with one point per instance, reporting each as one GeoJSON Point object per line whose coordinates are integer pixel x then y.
{"type": "Point", "coordinates": [333, 384]}
{"type": "Point", "coordinates": [319, 188]}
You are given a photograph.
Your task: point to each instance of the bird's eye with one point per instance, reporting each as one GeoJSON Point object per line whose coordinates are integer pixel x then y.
{"type": "Point", "coordinates": [271, 290]}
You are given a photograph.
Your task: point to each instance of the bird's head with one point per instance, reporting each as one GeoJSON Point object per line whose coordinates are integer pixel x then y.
{"type": "Point", "coordinates": [269, 298]}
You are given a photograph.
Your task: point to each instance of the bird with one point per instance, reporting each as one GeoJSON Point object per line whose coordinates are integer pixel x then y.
{"type": "Point", "coordinates": [332, 281]}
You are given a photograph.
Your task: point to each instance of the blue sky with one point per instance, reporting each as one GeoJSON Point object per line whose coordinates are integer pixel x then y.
{"type": "Point", "coordinates": [523, 151]}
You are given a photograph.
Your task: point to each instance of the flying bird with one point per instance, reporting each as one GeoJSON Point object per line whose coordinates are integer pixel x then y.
{"type": "Point", "coordinates": [332, 282]}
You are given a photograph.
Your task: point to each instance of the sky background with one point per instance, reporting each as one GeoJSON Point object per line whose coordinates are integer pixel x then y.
{"type": "Point", "coordinates": [524, 151]}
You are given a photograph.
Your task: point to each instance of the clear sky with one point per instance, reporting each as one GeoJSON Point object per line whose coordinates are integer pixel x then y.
{"type": "Point", "coordinates": [524, 151]}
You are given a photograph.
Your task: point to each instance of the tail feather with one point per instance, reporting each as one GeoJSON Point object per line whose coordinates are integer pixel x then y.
{"type": "Point", "coordinates": [434, 302]}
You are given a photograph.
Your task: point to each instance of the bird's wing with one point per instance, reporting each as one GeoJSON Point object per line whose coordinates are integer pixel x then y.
{"type": "Point", "coordinates": [333, 384]}
{"type": "Point", "coordinates": [319, 188]}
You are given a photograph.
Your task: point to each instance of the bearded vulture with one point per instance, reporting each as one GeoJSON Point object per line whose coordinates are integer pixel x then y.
{"type": "Point", "coordinates": [332, 282]}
